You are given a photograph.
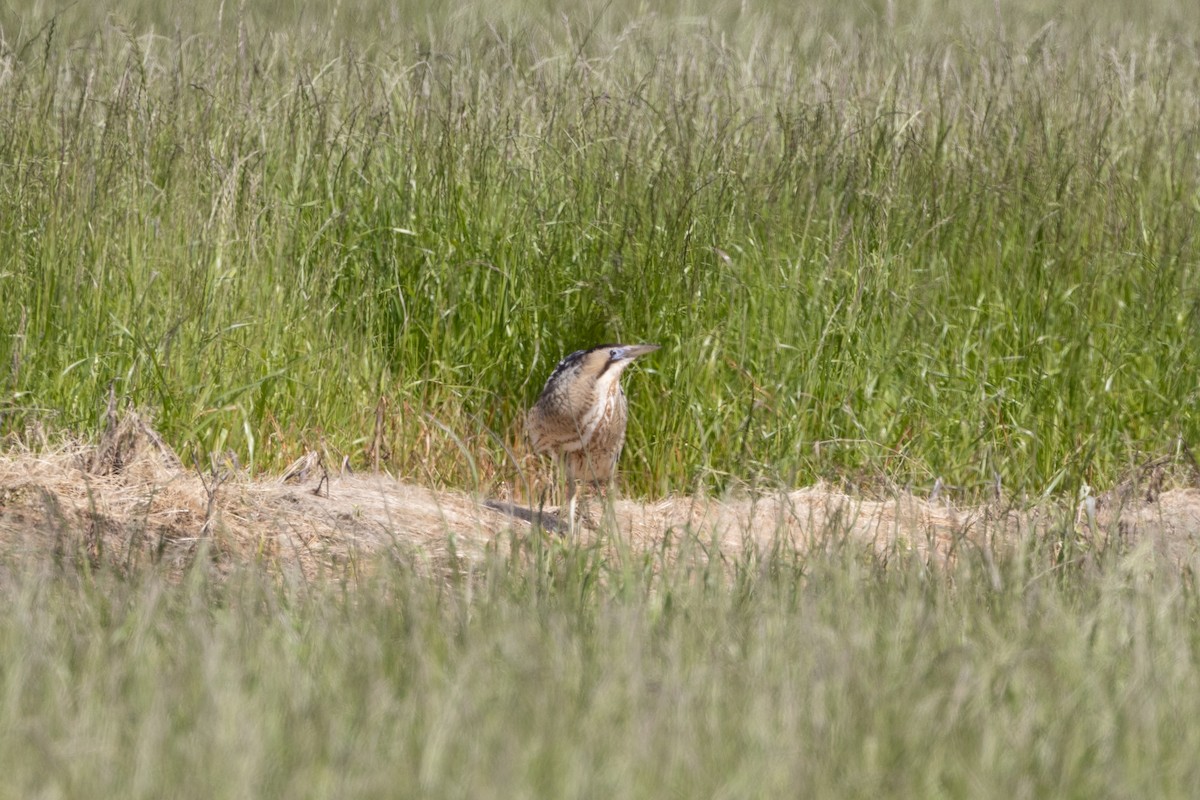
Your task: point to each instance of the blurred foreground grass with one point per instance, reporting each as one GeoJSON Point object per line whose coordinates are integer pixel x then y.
{"type": "Point", "coordinates": [554, 673]}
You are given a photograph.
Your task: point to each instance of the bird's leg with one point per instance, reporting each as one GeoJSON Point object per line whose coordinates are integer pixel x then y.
{"type": "Point", "coordinates": [571, 498]}
{"type": "Point", "coordinates": [584, 504]}
{"type": "Point", "coordinates": [604, 492]}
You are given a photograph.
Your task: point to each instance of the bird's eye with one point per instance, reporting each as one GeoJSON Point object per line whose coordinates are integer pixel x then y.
{"type": "Point", "coordinates": [613, 354]}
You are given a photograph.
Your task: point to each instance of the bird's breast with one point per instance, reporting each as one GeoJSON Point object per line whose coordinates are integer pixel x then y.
{"type": "Point", "coordinates": [605, 417]}
{"type": "Point", "coordinates": [580, 417]}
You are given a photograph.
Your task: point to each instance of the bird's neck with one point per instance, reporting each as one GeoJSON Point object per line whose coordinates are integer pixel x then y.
{"type": "Point", "coordinates": [609, 384]}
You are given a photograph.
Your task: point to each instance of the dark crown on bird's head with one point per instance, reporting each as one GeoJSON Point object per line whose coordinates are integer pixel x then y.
{"type": "Point", "coordinates": [595, 361]}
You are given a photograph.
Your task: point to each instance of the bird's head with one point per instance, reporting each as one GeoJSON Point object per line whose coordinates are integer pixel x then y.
{"type": "Point", "coordinates": [627, 352]}
{"type": "Point", "coordinates": [613, 358]}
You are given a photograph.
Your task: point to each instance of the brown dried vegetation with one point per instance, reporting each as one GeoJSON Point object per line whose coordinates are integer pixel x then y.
{"type": "Point", "coordinates": [128, 500]}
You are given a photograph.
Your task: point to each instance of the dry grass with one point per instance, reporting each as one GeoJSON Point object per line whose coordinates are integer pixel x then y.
{"type": "Point", "coordinates": [128, 500]}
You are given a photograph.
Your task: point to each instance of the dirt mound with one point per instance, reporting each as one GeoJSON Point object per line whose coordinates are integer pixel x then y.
{"type": "Point", "coordinates": [129, 500]}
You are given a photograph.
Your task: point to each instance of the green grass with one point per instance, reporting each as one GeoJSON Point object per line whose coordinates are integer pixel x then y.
{"type": "Point", "coordinates": [875, 242]}
{"type": "Point", "coordinates": [557, 673]}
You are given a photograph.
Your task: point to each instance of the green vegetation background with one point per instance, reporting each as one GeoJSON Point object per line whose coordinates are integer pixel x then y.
{"type": "Point", "coordinates": [878, 241]}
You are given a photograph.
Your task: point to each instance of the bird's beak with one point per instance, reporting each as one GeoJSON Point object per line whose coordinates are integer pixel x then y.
{"type": "Point", "coordinates": [631, 351]}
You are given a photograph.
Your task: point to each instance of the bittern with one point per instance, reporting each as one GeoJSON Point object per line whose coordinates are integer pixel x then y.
{"type": "Point", "coordinates": [581, 413]}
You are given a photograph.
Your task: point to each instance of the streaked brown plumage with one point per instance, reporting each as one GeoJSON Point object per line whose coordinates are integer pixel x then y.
{"type": "Point", "coordinates": [581, 413]}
